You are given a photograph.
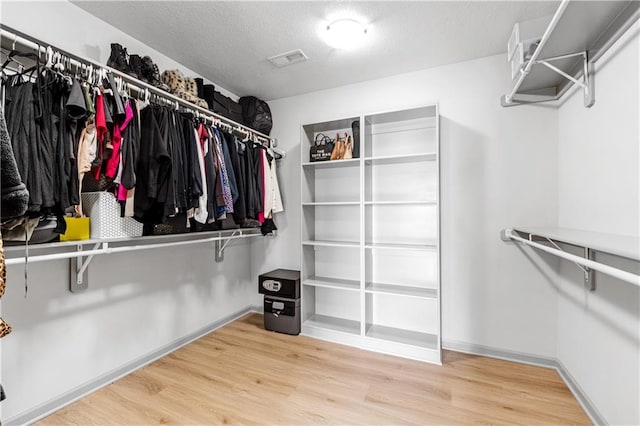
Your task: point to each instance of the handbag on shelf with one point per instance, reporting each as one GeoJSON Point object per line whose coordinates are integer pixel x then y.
{"type": "Point", "coordinates": [339, 149]}
{"type": "Point", "coordinates": [348, 147]}
{"type": "Point", "coordinates": [321, 149]}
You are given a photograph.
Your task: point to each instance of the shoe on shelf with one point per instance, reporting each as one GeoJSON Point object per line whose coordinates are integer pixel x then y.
{"type": "Point", "coordinates": [151, 74]}
{"type": "Point", "coordinates": [119, 59]}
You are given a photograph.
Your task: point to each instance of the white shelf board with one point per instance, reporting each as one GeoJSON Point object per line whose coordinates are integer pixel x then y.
{"type": "Point", "coordinates": [331, 243]}
{"type": "Point", "coordinates": [619, 245]}
{"type": "Point", "coordinates": [396, 246]}
{"type": "Point", "coordinates": [401, 290]}
{"type": "Point", "coordinates": [401, 202]}
{"type": "Point", "coordinates": [331, 203]}
{"type": "Point", "coordinates": [336, 283]}
{"type": "Point", "coordinates": [401, 159]}
{"type": "Point", "coordinates": [403, 129]}
{"type": "Point", "coordinates": [353, 162]}
{"type": "Point", "coordinates": [406, 337]}
{"type": "Point", "coordinates": [125, 241]}
{"type": "Point", "coordinates": [581, 26]}
{"type": "Point", "coordinates": [332, 323]}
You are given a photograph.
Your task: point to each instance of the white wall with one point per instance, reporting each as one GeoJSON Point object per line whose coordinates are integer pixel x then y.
{"type": "Point", "coordinates": [599, 190]}
{"type": "Point", "coordinates": [499, 169]}
{"type": "Point", "coordinates": [136, 303]}
{"type": "Point", "coordinates": [68, 27]}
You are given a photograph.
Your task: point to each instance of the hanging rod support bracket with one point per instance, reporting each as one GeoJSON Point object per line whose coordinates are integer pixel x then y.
{"type": "Point", "coordinates": [78, 279]}
{"type": "Point", "coordinates": [589, 274]}
{"type": "Point", "coordinates": [222, 244]}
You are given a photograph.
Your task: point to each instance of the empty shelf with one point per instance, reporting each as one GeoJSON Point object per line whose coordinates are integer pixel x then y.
{"type": "Point", "coordinates": [581, 26]}
{"type": "Point", "coordinates": [399, 159]}
{"type": "Point", "coordinates": [331, 243]}
{"type": "Point", "coordinates": [333, 323]}
{"type": "Point", "coordinates": [402, 290]}
{"type": "Point", "coordinates": [332, 203]}
{"type": "Point", "coordinates": [332, 283]}
{"type": "Point", "coordinates": [354, 162]}
{"type": "Point", "coordinates": [406, 337]}
{"type": "Point", "coordinates": [619, 245]}
{"type": "Point", "coordinates": [395, 246]}
{"type": "Point", "coordinates": [400, 203]}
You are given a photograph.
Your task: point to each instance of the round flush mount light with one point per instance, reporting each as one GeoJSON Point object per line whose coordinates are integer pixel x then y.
{"type": "Point", "coordinates": [345, 34]}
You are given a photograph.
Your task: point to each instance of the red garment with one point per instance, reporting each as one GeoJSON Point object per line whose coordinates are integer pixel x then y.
{"type": "Point", "coordinates": [203, 134]}
{"type": "Point", "coordinates": [114, 160]}
{"type": "Point", "coordinates": [264, 185]}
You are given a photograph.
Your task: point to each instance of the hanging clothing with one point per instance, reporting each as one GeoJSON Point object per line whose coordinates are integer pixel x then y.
{"type": "Point", "coordinates": [15, 197]}
{"type": "Point", "coordinates": [153, 169]}
{"type": "Point", "coordinates": [272, 198]}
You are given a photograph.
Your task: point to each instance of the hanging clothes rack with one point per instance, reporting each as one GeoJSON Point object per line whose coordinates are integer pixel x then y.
{"type": "Point", "coordinates": [96, 69]}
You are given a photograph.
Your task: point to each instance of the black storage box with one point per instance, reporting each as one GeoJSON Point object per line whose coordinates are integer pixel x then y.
{"type": "Point", "coordinates": [280, 283]}
{"type": "Point", "coordinates": [227, 107]}
{"type": "Point", "coordinates": [282, 315]}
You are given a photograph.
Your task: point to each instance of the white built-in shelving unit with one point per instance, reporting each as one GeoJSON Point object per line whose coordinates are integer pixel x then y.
{"type": "Point", "coordinates": [371, 236]}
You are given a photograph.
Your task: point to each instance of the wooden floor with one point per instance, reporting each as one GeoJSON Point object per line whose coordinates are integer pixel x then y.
{"type": "Point", "coordinates": [242, 374]}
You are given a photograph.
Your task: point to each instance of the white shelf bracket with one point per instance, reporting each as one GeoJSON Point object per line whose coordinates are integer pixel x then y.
{"type": "Point", "coordinates": [587, 75]}
{"type": "Point", "coordinates": [78, 281]}
{"type": "Point", "coordinates": [589, 276]}
{"type": "Point", "coordinates": [222, 244]}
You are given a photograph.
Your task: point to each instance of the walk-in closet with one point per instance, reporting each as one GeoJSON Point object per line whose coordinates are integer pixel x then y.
{"type": "Point", "coordinates": [320, 212]}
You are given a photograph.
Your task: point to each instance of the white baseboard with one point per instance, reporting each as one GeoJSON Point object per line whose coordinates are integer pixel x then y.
{"type": "Point", "coordinates": [55, 404]}
{"type": "Point", "coordinates": [589, 407]}
{"type": "Point", "coordinates": [585, 402]}
{"type": "Point", "coordinates": [491, 352]}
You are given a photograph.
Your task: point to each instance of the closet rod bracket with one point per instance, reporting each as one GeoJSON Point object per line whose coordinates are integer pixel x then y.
{"type": "Point", "coordinates": [222, 244]}
{"type": "Point", "coordinates": [587, 75]}
{"type": "Point", "coordinates": [78, 279]}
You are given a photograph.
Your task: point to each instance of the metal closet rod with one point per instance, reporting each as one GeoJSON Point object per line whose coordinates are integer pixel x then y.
{"type": "Point", "coordinates": [605, 269]}
{"type": "Point", "coordinates": [109, 250]}
{"type": "Point", "coordinates": [41, 47]}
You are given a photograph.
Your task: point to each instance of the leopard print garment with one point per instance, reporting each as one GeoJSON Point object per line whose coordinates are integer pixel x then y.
{"type": "Point", "coordinates": [4, 327]}
{"type": "Point", "coordinates": [174, 79]}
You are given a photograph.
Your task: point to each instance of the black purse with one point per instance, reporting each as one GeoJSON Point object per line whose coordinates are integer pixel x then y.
{"type": "Point", "coordinates": [321, 148]}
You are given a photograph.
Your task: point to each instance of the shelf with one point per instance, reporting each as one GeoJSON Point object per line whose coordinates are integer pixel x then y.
{"type": "Point", "coordinates": [339, 284]}
{"type": "Point", "coordinates": [406, 337]}
{"type": "Point", "coordinates": [619, 245]}
{"type": "Point", "coordinates": [395, 246]}
{"type": "Point", "coordinates": [401, 159]}
{"type": "Point", "coordinates": [401, 290]}
{"type": "Point", "coordinates": [334, 324]}
{"type": "Point", "coordinates": [332, 203]}
{"type": "Point", "coordinates": [401, 203]}
{"type": "Point", "coordinates": [123, 242]}
{"type": "Point", "coordinates": [330, 243]}
{"type": "Point", "coordinates": [353, 162]}
{"type": "Point", "coordinates": [577, 26]}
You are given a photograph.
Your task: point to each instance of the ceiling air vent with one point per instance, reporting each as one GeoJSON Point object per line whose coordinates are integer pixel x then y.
{"type": "Point", "coordinates": [288, 58]}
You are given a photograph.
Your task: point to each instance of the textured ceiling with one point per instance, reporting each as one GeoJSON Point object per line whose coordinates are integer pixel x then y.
{"type": "Point", "coordinates": [228, 42]}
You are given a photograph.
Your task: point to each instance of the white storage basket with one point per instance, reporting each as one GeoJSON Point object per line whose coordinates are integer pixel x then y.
{"type": "Point", "coordinates": [104, 211]}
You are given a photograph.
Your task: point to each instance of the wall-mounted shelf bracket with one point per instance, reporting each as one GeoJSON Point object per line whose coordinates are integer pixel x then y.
{"type": "Point", "coordinates": [221, 245]}
{"type": "Point", "coordinates": [78, 280]}
{"type": "Point", "coordinates": [589, 276]}
{"type": "Point", "coordinates": [587, 75]}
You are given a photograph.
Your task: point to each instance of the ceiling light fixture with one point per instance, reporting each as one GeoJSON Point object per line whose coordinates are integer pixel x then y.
{"type": "Point", "coordinates": [345, 34]}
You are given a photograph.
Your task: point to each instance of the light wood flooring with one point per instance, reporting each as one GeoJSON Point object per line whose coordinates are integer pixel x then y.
{"type": "Point", "coordinates": [242, 374]}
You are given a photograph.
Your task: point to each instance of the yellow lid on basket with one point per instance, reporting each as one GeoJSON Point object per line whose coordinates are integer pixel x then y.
{"type": "Point", "coordinates": [78, 228]}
